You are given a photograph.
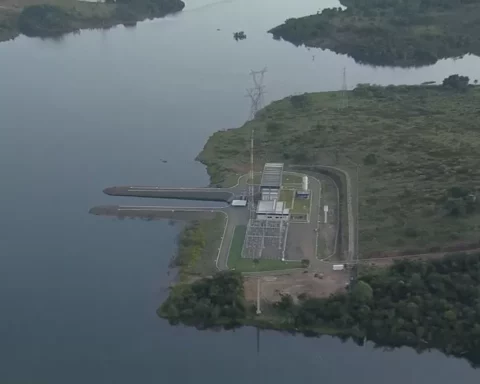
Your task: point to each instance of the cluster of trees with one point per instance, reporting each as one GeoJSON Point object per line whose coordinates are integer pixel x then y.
{"type": "Point", "coordinates": [191, 245]}
{"type": "Point", "coordinates": [208, 302]}
{"type": "Point", "coordinates": [424, 304]}
{"type": "Point", "coordinates": [391, 32]}
{"type": "Point", "coordinates": [44, 20]}
{"type": "Point", "coordinates": [53, 20]}
{"type": "Point", "coordinates": [456, 82]}
{"type": "Point", "coordinates": [460, 201]}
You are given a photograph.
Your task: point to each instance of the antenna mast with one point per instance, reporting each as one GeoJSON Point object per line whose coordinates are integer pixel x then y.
{"type": "Point", "coordinates": [256, 96]}
{"type": "Point", "coordinates": [344, 89]}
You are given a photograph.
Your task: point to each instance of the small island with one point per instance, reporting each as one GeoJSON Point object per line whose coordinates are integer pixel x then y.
{"type": "Point", "coordinates": [50, 18]}
{"type": "Point", "coordinates": [391, 33]}
{"type": "Point", "coordinates": [239, 35]}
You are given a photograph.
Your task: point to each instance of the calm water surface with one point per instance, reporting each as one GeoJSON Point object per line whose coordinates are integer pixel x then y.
{"type": "Point", "coordinates": [78, 293]}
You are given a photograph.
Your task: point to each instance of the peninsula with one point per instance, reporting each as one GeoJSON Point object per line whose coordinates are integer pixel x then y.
{"type": "Point", "coordinates": [390, 33]}
{"type": "Point", "coordinates": [48, 18]}
{"type": "Point", "coordinates": [415, 148]}
{"type": "Point", "coordinates": [351, 181]}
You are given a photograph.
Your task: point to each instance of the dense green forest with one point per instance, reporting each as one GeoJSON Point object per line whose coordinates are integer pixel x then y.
{"type": "Point", "coordinates": [207, 302]}
{"type": "Point", "coordinates": [391, 32]}
{"type": "Point", "coordinates": [416, 148]}
{"type": "Point", "coordinates": [68, 16]}
{"type": "Point", "coordinates": [434, 304]}
{"type": "Point", "coordinates": [423, 304]}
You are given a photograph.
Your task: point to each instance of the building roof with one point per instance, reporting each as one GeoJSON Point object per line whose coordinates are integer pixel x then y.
{"type": "Point", "coordinates": [239, 203]}
{"type": "Point", "coordinates": [272, 207]}
{"type": "Point", "coordinates": [272, 175]}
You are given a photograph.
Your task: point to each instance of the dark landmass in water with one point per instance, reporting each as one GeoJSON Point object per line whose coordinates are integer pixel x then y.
{"type": "Point", "coordinates": [50, 19]}
{"type": "Point", "coordinates": [391, 32]}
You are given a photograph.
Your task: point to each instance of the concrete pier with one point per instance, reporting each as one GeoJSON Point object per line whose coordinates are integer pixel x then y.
{"type": "Point", "coordinates": [155, 213]}
{"type": "Point", "coordinates": [203, 194]}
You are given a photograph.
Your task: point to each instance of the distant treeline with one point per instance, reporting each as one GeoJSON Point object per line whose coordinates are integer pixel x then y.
{"type": "Point", "coordinates": [422, 304]}
{"type": "Point", "coordinates": [391, 32]}
{"type": "Point", "coordinates": [52, 20]}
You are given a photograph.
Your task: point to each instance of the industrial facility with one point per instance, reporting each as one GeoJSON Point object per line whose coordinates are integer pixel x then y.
{"type": "Point", "coordinates": [271, 181]}
{"type": "Point", "coordinates": [267, 228]}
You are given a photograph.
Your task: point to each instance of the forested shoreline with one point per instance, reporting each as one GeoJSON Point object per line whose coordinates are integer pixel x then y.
{"type": "Point", "coordinates": [54, 18]}
{"type": "Point", "coordinates": [390, 32]}
{"type": "Point", "coordinates": [422, 304]}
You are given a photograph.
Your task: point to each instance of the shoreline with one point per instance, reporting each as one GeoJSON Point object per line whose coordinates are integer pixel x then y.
{"type": "Point", "coordinates": [55, 18]}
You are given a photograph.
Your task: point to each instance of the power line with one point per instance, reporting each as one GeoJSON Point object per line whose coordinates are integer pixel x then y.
{"type": "Point", "coordinates": [256, 97]}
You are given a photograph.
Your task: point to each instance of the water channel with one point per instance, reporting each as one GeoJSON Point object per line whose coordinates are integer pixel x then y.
{"type": "Point", "coordinates": [78, 293]}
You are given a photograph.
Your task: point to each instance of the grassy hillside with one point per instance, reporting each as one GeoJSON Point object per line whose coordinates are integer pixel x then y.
{"type": "Point", "coordinates": [391, 32]}
{"type": "Point", "coordinates": [417, 147]}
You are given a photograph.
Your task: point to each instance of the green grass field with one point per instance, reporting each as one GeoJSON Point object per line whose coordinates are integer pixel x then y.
{"type": "Point", "coordinates": [301, 206]}
{"type": "Point", "coordinates": [286, 179]}
{"type": "Point", "coordinates": [416, 146]}
{"type": "Point", "coordinates": [235, 260]}
{"type": "Point", "coordinates": [291, 179]}
{"type": "Point", "coordinates": [286, 195]}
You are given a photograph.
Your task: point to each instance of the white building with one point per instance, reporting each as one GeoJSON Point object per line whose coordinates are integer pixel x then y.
{"type": "Point", "coordinates": [272, 210]}
{"type": "Point", "coordinates": [304, 193]}
{"type": "Point", "coordinates": [271, 181]}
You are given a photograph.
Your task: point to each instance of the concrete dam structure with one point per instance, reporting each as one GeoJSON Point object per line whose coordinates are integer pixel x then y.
{"type": "Point", "coordinates": [155, 213]}
{"type": "Point", "coordinates": [203, 194]}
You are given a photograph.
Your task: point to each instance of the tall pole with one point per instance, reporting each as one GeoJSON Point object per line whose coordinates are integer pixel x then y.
{"type": "Point", "coordinates": [251, 192]}
{"type": "Point", "coordinates": [258, 296]}
{"type": "Point", "coordinates": [344, 102]}
{"type": "Point", "coordinates": [256, 96]}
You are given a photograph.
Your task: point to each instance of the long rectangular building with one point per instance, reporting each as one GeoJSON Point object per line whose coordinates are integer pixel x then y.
{"type": "Point", "coordinates": [271, 181]}
{"type": "Point", "coordinates": [272, 210]}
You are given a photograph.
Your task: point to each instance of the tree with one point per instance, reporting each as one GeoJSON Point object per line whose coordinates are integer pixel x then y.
{"type": "Point", "coordinates": [370, 159]}
{"type": "Point", "coordinates": [456, 82]}
{"type": "Point", "coordinates": [299, 101]}
{"type": "Point", "coordinates": [305, 263]}
{"type": "Point", "coordinates": [362, 292]}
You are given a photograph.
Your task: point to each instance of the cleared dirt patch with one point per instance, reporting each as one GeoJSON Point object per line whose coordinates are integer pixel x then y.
{"type": "Point", "coordinates": [294, 284]}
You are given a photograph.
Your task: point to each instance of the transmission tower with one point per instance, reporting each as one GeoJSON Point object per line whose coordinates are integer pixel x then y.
{"type": "Point", "coordinates": [344, 101]}
{"type": "Point", "coordinates": [256, 97]}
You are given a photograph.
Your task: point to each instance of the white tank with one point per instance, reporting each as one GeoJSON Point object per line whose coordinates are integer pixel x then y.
{"type": "Point", "coordinates": [305, 183]}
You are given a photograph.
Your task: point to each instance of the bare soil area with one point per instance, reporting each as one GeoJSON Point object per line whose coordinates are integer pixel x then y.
{"type": "Point", "coordinates": [272, 286]}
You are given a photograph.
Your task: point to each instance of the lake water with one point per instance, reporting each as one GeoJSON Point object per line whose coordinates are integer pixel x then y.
{"type": "Point", "coordinates": [78, 293]}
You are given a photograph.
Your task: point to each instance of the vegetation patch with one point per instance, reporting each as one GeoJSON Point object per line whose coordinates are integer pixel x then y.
{"type": "Point", "coordinates": [237, 263]}
{"type": "Point", "coordinates": [197, 246]}
{"type": "Point", "coordinates": [55, 17]}
{"type": "Point", "coordinates": [286, 195]}
{"type": "Point", "coordinates": [208, 302]}
{"type": "Point", "coordinates": [289, 178]}
{"type": "Point", "coordinates": [422, 304]}
{"type": "Point", "coordinates": [417, 150]}
{"type": "Point", "coordinates": [301, 205]}
{"type": "Point", "coordinates": [391, 32]}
